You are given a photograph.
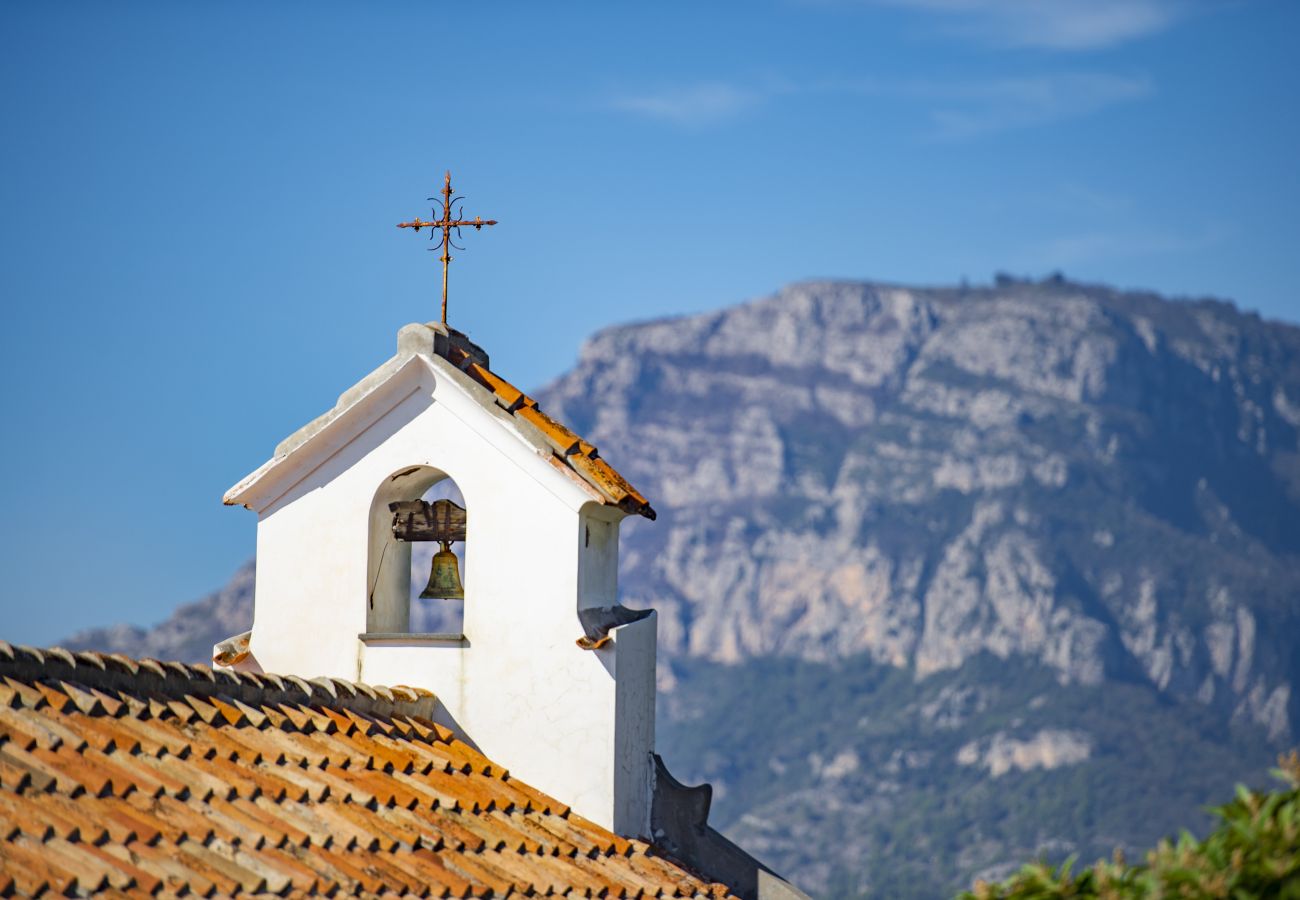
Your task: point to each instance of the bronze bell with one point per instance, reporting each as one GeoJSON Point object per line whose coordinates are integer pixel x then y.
{"type": "Point", "coordinates": [444, 576]}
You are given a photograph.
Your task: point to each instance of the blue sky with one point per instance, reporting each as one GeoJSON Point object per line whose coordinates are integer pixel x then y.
{"type": "Point", "coordinates": [199, 254]}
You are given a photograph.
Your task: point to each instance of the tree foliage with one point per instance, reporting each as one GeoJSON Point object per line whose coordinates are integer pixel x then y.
{"type": "Point", "coordinates": [1254, 853]}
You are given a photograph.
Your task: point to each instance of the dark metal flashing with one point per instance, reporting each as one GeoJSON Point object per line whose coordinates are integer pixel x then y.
{"type": "Point", "coordinates": [679, 825]}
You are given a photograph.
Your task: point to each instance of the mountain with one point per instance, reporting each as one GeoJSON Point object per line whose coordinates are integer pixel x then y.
{"type": "Point", "coordinates": [187, 634]}
{"type": "Point", "coordinates": [948, 577]}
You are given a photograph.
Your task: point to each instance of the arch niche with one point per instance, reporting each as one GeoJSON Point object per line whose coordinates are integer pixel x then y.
{"type": "Point", "coordinates": [388, 570]}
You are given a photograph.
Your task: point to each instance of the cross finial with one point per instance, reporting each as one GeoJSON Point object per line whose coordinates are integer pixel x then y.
{"type": "Point", "coordinates": [447, 223]}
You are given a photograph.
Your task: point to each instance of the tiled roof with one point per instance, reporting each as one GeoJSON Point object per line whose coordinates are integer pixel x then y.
{"type": "Point", "coordinates": [570, 450]}
{"type": "Point", "coordinates": [143, 777]}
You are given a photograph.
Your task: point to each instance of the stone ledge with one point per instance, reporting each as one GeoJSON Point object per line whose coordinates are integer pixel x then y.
{"type": "Point", "coordinates": [412, 637]}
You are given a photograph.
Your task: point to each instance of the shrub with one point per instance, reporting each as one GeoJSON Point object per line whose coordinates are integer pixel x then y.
{"type": "Point", "coordinates": [1254, 852]}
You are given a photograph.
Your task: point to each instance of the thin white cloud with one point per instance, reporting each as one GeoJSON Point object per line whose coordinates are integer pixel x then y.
{"type": "Point", "coordinates": [968, 109]}
{"type": "Point", "coordinates": [699, 104]}
{"type": "Point", "coordinates": [1093, 246]}
{"type": "Point", "coordinates": [1050, 24]}
{"type": "Point", "coordinates": [949, 109]}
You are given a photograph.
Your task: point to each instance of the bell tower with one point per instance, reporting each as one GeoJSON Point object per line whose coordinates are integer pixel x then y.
{"type": "Point", "coordinates": [548, 674]}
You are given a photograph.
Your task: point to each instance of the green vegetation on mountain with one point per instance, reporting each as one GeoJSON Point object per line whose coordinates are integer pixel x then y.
{"type": "Point", "coordinates": [882, 785]}
{"type": "Point", "coordinates": [1253, 853]}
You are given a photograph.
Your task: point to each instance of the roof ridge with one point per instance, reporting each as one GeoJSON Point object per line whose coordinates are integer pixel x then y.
{"type": "Point", "coordinates": [566, 446]}
{"type": "Point", "coordinates": [176, 680]}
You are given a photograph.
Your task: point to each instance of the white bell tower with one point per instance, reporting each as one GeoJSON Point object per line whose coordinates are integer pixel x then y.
{"type": "Point", "coordinates": [548, 675]}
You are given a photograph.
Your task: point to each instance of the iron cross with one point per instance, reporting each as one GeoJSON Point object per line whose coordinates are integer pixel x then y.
{"type": "Point", "coordinates": [447, 223]}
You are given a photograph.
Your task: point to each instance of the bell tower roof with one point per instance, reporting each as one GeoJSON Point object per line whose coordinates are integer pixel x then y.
{"type": "Point", "coordinates": [446, 348]}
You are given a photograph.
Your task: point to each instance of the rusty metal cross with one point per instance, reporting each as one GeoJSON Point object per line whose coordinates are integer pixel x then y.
{"type": "Point", "coordinates": [447, 223]}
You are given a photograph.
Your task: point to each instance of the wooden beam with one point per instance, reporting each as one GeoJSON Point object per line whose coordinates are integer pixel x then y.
{"type": "Point", "coordinates": [417, 520]}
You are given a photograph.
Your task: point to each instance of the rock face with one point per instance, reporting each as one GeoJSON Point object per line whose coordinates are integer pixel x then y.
{"type": "Point", "coordinates": [1105, 483]}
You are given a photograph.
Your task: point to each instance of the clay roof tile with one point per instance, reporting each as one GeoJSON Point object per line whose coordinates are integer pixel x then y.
{"type": "Point", "coordinates": [192, 784]}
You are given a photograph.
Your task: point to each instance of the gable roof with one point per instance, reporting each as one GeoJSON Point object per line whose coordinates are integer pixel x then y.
{"type": "Point", "coordinates": [141, 776]}
{"type": "Point", "coordinates": [468, 365]}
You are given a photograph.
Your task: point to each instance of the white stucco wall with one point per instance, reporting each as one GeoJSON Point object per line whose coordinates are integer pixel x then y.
{"type": "Point", "coordinates": [577, 724]}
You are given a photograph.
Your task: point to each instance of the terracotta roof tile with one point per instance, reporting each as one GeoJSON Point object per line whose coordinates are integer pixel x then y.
{"type": "Point", "coordinates": [570, 451]}
{"type": "Point", "coordinates": [176, 780]}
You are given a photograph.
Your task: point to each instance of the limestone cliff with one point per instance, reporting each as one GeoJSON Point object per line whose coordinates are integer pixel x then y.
{"type": "Point", "coordinates": [1104, 482]}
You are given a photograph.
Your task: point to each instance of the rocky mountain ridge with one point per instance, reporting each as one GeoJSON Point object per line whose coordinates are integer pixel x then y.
{"type": "Point", "coordinates": [1104, 482]}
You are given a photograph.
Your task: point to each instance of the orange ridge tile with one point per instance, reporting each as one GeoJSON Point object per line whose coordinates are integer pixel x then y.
{"type": "Point", "coordinates": [449, 827]}
{"type": "Point", "coordinates": [661, 871]}
{"type": "Point", "coordinates": [42, 817]}
{"type": "Point", "coordinates": [352, 786]}
{"type": "Point", "coordinates": [471, 792]}
{"type": "Point", "coordinates": [85, 702]}
{"type": "Point", "coordinates": [306, 817]}
{"type": "Point", "coordinates": [358, 825]}
{"type": "Point", "coordinates": [175, 821]}
{"type": "Point", "coordinates": [280, 815]}
{"type": "Point", "coordinates": [514, 797]}
{"type": "Point", "coordinates": [431, 862]}
{"type": "Point", "coordinates": [497, 834]}
{"type": "Point", "coordinates": [27, 733]}
{"type": "Point", "coordinates": [249, 781]}
{"type": "Point", "coordinates": [155, 736]}
{"type": "Point", "coordinates": [19, 779]}
{"type": "Point", "coordinates": [176, 872]}
{"type": "Point", "coordinates": [261, 869]}
{"type": "Point", "coordinates": [384, 754]}
{"type": "Point", "coordinates": [100, 733]}
{"type": "Point", "coordinates": [467, 759]}
{"type": "Point", "coordinates": [66, 775]}
{"type": "Point", "coordinates": [320, 722]}
{"type": "Point", "coordinates": [182, 711]}
{"type": "Point", "coordinates": [473, 868]}
{"type": "Point", "coordinates": [408, 827]}
{"type": "Point", "coordinates": [126, 824]}
{"type": "Point", "coordinates": [586, 836]}
{"type": "Point", "coordinates": [92, 873]}
{"type": "Point", "coordinates": [301, 876]}
{"type": "Point", "coordinates": [369, 725]}
{"type": "Point", "coordinates": [192, 777]}
{"type": "Point", "coordinates": [118, 858]}
{"type": "Point", "coordinates": [234, 715]}
{"type": "Point", "coordinates": [445, 734]}
{"type": "Point", "coordinates": [386, 791]}
{"type": "Point", "coordinates": [114, 707]}
{"type": "Point", "coordinates": [25, 695]}
{"type": "Point", "coordinates": [238, 745]}
{"type": "Point", "coordinates": [33, 871]}
{"type": "Point", "coordinates": [570, 872]}
{"type": "Point", "coordinates": [55, 696]}
{"type": "Point", "coordinates": [562, 439]}
{"type": "Point", "coordinates": [432, 795]}
{"type": "Point", "coordinates": [66, 727]}
{"type": "Point", "coordinates": [356, 881]}
{"type": "Point", "coordinates": [395, 878]}
{"type": "Point", "coordinates": [510, 397]}
{"type": "Point", "coordinates": [205, 710]}
{"type": "Point", "coordinates": [345, 725]}
{"type": "Point", "coordinates": [227, 876]}
{"type": "Point", "coordinates": [315, 750]}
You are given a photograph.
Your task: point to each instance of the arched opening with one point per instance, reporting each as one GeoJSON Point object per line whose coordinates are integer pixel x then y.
{"type": "Point", "coordinates": [398, 570]}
